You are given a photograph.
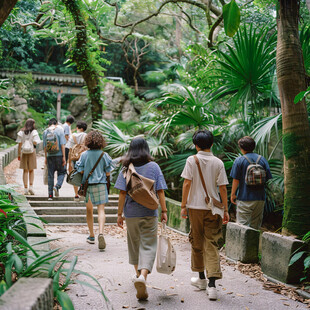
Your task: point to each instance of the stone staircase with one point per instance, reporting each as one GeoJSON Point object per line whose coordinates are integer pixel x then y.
{"type": "Point", "coordinates": [64, 210]}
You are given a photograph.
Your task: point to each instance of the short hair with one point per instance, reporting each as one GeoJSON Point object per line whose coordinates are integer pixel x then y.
{"type": "Point", "coordinates": [81, 125]}
{"type": "Point", "coordinates": [70, 119]}
{"type": "Point", "coordinates": [138, 153]}
{"type": "Point", "coordinates": [203, 139]}
{"type": "Point", "coordinates": [94, 140]}
{"type": "Point", "coordinates": [52, 121]}
{"type": "Point", "coordinates": [247, 143]}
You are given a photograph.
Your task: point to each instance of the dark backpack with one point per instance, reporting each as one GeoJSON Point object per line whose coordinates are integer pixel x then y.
{"type": "Point", "coordinates": [52, 146]}
{"type": "Point", "coordinates": [255, 175]}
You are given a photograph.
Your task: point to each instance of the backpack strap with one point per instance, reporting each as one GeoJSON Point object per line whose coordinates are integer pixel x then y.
{"type": "Point", "coordinates": [201, 178]}
{"type": "Point", "coordinates": [250, 162]}
{"type": "Point", "coordinates": [96, 164]}
{"type": "Point", "coordinates": [258, 159]}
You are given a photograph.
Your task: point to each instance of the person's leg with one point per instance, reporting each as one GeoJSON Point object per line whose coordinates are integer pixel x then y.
{"type": "Point", "coordinates": [101, 217]}
{"type": "Point", "coordinates": [90, 217]}
{"type": "Point", "coordinates": [61, 172]}
{"type": "Point", "coordinates": [31, 179]}
{"type": "Point", "coordinates": [244, 212]}
{"type": "Point", "coordinates": [133, 240]}
{"type": "Point", "coordinates": [197, 242]}
{"type": "Point", "coordinates": [148, 244]}
{"type": "Point", "coordinates": [25, 180]}
{"type": "Point", "coordinates": [257, 214]}
{"type": "Point", "coordinates": [212, 233]}
{"type": "Point", "coordinates": [50, 174]}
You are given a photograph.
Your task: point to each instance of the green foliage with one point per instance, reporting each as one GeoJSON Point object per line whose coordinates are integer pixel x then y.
{"type": "Point", "coordinates": [305, 45]}
{"type": "Point", "coordinates": [231, 16]}
{"type": "Point", "coordinates": [14, 255]}
{"type": "Point", "coordinates": [299, 254]}
{"type": "Point", "coordinates": [247, 70]}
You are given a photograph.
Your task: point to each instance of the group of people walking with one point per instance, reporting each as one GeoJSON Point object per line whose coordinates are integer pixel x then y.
{"type": "Point", "coordinates": [204, 195]}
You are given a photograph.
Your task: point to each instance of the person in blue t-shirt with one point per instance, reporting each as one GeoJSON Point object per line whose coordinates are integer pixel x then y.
{"type": "Point", "coordinates": [250, 201]}
{"type": "Point", "coordinates": [54, 148]}
{"type": "Point", "coordinates": [97, 192]}
{"type": "Point", "coordinates": [141, 222]}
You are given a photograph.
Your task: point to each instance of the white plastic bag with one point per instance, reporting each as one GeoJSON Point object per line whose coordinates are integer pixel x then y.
{"type": "Point", "coordinates": [166, 255]}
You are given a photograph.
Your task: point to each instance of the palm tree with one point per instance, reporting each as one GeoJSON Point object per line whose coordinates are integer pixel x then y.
{"type": "Point", "coordinates": [247, 70]}
{"type": "Point", "coordinates": [296, 131]}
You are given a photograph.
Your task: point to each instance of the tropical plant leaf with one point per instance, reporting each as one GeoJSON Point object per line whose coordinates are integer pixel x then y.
{"type": "Point", "coordinates": [296, 257]}
{"type": "Point", "coordinates": [64, 300]}
{"type": "Point", "coordinates": [3, 287]}
{"type": "Point", "coordinates": [231, 16]}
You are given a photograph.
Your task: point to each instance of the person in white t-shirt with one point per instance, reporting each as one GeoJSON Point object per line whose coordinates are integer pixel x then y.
{"type": "Point", "coordinates": [76, 138]}
{"type": "Point", "coordinates": [67, 131]}
{"type": "Point", "coordinates": [205, 219]}
{"type": "Point", "coordinates": [27, 139]}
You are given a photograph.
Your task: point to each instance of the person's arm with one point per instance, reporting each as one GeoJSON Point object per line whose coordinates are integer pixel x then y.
{"type": "Point", "coordinates": [121, 202]}
{"type": "Point", "coordinates": [223, 194]}
{"type": "Point", "coordinates": [185, 191]}
{"type": "Point", "coordinates": [45, 154]}
{"type": "Point", "coordinates": [63, 155]}
{"type": "Point", "coordinates": [19, 150]}
{"type": "Point", "coordinates": [162, 202]}
{"type": "Point", "coordinates": [234, 187]}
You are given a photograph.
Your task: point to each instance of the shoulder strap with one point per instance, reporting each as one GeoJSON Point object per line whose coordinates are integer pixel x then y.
{"type": "Point", "coordinates": [96, 164]}
{"type": "Point", "coordinates": [74, 139]}
{"type": "Point", "coordinates": [251, 162]}
{"type": "Point", "coordinates": [201, 177]}
{"type": "Point", "coordinates": [258, 159]}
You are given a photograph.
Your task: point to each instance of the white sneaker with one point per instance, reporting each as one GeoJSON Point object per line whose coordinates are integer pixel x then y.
{"type": "Point", "coordinates": [26, 191]}
{"type": "Point", "coordinates": [212, 292]}
{"type": "Point", "coordinates": [101, 242]}
{"type": "Point", "coordinates": [56, 191]}
{"type": "Point", "coordinates": [134, 278]}
{"type": "Point", "coordinates": [200, 283]}
{"type": "Point", "coordinates": [31, 192]}
{"type": "Point", "coordinates": [140, 285]}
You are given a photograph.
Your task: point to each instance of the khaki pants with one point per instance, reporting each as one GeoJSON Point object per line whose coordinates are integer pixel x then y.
{"type": "Point", "coordinates": [250, 213]}
{"type": "Point", "coordinates": [206, 229]}
{"type": "Point", "coordinates": [142, 241]}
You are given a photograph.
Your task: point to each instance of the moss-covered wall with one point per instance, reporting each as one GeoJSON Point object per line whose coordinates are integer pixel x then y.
{"type": "Point", "coordinates": [174, 216]}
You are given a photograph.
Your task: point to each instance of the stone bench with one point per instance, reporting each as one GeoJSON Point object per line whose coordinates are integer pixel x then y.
{"type": "Point", "coordinates": [242, 243]}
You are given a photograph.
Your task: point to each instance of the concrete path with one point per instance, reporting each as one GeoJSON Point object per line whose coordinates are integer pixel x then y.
{"type": "Point", "coordinates": [235, 291]}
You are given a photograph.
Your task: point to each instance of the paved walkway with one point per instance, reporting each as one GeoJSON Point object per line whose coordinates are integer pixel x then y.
{"type": "Point", "coordinates": [236, 291]}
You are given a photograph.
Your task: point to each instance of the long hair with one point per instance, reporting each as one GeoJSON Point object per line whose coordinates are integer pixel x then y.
{"type": "Point", "coordinates": [138, 153]}
{"type": "Point", "coordinates": [29, 126]}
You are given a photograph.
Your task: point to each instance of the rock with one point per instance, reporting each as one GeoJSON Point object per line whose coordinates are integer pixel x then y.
{"type": "Point", "coordinates": [78, 106]}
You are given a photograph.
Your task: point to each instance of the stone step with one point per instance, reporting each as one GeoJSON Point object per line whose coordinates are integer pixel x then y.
{"type": "Point", "coordinates": [65, 204]}
{"type": "Point", "coordinates": [73, 219]}
{"type": "Point", "coordinates": [70, 210]}
{"type": "Point", "coordinates": [38, 198]}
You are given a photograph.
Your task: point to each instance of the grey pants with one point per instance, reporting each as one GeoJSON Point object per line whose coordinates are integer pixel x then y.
{"type": "Point", "coordinates": [250, 213]}
{"type": "Point", "coordinates": [142, 241]}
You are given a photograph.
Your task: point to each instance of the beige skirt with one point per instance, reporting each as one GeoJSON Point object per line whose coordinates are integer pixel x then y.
{"type": "Point", "coordinates": [28, 161]}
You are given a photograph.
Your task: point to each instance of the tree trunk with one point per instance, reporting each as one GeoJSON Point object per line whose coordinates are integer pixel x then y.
{"type": "Point", "coordinates": [296, 132]}
{"type": "Point", "coordinates": [81, 56]}
{"type": "Point", "coordinates": [6, 6]}
{"type": "Point", "coordinates": [135, 80]}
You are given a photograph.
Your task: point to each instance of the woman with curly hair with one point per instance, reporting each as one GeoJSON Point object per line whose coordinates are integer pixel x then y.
{"type": "Point", "coordinates": [141, 222]}
{"type": "Point", "coordinates": [27, 139]}
{"type": "Point", "coordinates": [97, 193]}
